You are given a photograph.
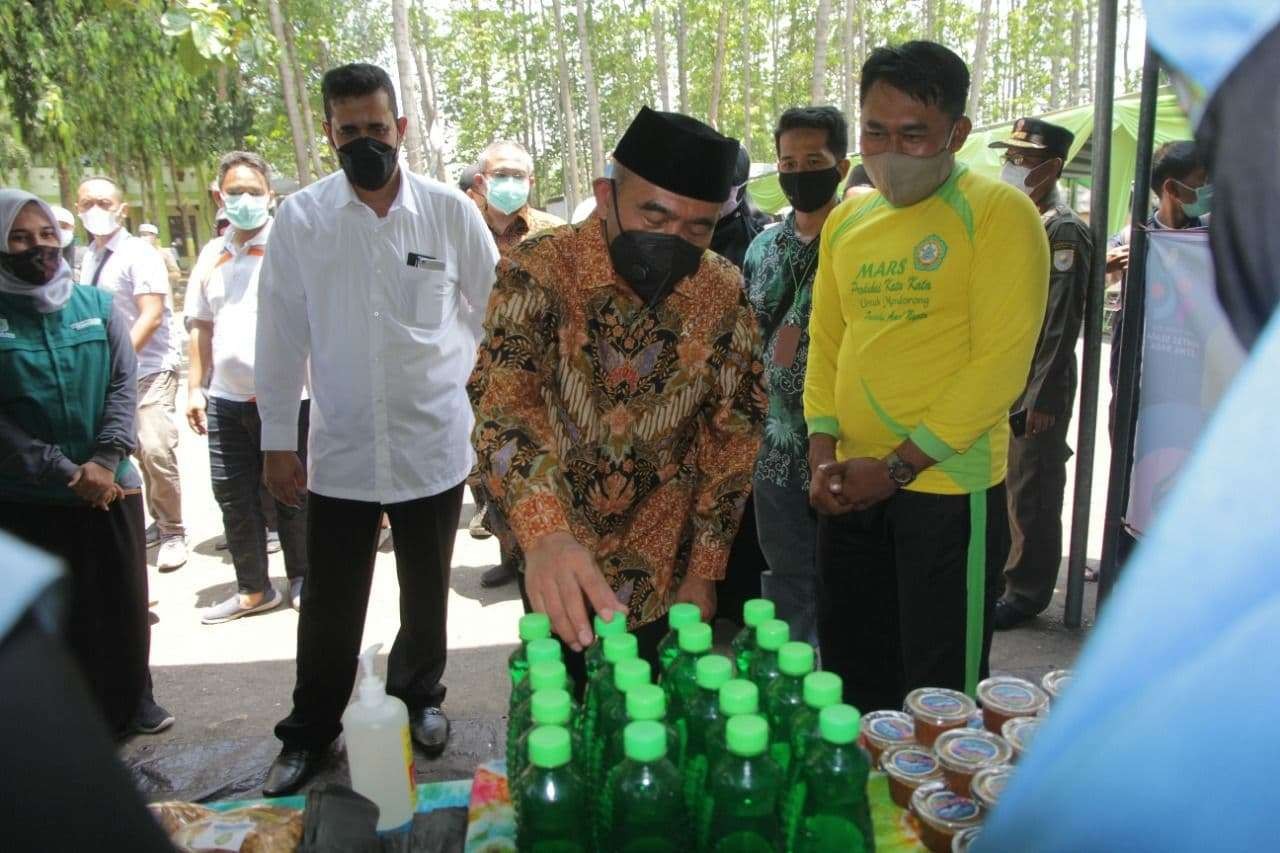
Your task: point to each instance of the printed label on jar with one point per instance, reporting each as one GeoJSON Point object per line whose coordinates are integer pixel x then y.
{"type": "Point", "coordinates": [1012, 696]}
{"type": "Point", "coordinates": [914, 762]}
{"type": "Point", "coordinates": [971, 750]}
{"type": "Point", "coordinates": [953, 807]}
{"type": "Point", "coordinates": [941, 703]}
{"type": "Point", "coordinates": [892, 728]}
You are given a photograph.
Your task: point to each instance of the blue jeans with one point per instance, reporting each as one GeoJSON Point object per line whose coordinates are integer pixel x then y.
{"type": "Point", "coordinates": [235, 466]}
{"type": "Point", "coordinates": [788, 530]}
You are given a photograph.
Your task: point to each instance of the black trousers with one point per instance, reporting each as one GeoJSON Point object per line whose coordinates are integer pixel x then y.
{"type": "Point", "coordinates": [342, 538]}
{"type": "Point", "coordinates": [107, 630]}
{"type": "Point", "coordinates": [893, 612]}
{"type": "Point", "coordinates": [1037, 481]}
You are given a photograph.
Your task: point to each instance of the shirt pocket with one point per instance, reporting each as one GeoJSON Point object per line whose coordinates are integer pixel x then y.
{"type": "Point", "coordinates": [425, 296]}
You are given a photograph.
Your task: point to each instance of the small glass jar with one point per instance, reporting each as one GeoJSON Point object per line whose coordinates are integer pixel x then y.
{"type": "Point", "coordinates": [1004, 697]}
{"type": "Point", "coordinates": [963, 752]}
{"type": "Point", "coordinates": [942, 815]}
{"type": "Point", "coordinates": [936, 710]}
{"type": "Point", "coordinates": [908, 767]}
{"type": "Point", "coordinates": [882, 730]}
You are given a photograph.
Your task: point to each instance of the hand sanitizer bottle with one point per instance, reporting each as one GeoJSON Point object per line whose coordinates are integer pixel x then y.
{"type": "Point", "coordinates": [376, 727]}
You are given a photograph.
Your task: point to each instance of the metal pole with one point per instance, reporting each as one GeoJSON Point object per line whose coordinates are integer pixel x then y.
{"type": "Point", "coordinates": [1130, 342]}
{"type": "Point", "coordinates": [1100, 186]}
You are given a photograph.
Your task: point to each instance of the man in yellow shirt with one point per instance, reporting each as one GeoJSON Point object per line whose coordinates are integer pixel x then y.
{"type": "Point", "coordinates": [928, 299]}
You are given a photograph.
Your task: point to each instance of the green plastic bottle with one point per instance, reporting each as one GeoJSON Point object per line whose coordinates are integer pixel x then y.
{"type": "Point", "coordinates": [533, 626]}
{"type": "Point", "coordinates": [744, 793]}
{"type": "Point", "coordinates": [764, 667]}
{"type": "Point", "coordinates": [713, 672]}
{"type": "Point", "coordinates": [827, 810]}
{"type": "Point", "coordinates": [595, 654]}
{"type": "Point", "coordinates": [737, 697]}
{"type": "Point", "coordinates": [682, 678]}
{"type": "Point", "coordinates": [678, 616]}
{"type": "Point", "coordinates": [551, 706]}
{"type": "Point", "coordinates": [785, 697]}
{"type": "Point", "coordinates": [642, 809]}
{"type": "Point", "coordinates": [821, 689]}
{"type": "Point", "coordinates": [645, 703]}
{"type": "Point", "coordinates": [543, 675]}
{"type": "Point", "coordinates": [551, 798]}
{"type": "Point", "coordinates": [615, 648]}
{"type": "Point", "coordinates": [536, 651]}
{"type": "Point", "coordinates": [755, 613]}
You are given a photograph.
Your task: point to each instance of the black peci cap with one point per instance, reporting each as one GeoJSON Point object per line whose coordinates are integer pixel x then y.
{"type": "Point", "coordinates": [1039, 135]}
{"type": "Point", "coordinates": [680, 154]}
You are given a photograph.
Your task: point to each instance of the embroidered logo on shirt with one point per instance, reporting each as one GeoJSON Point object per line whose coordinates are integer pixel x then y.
{"type": "Point", "coordinates": [1064, 259]}
{"type": "Point", "coordinates": [80, 325]}
{"type": "Point", "coordinates": [929, 253]}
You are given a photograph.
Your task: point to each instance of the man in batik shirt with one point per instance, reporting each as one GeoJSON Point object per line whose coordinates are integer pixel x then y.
{"type": "Point", "coordinates": [617, 392]}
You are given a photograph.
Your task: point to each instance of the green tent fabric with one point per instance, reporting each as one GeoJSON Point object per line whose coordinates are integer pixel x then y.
{"type": "Point", "coordinates": [1171, 123]}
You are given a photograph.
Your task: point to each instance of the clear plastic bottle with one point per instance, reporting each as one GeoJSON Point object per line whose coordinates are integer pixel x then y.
{"type": "Point", "coordinates": [828, 810]}
{"type": "Point", "coordinates": [785, 697]}
{"type": "Point", "coordinates": [744, 793]}
{"type": "Point", "coordinates": [678, 616]}
{"type": "Point", "coordinates": [713, 672]}
{"type": "Point", "coordinates": [755, 612]}
{"type": "Point", "coordinates": [769, 638]}
{"type": "Point", "coordinates": [821, 689]}
{"type": "Point", "coordinates": [543, 675]}
{"type": "Point", "coordinates": [551, 706]}
{"type": "Point", "coordinates": [642, 807]}
{"type": "Point", "coordinates": [379, 751]}
{"type": "Point", "coordinates": [551, 798]}
{"type": "Point", "coordinates": [533, 626]}
{"type": "Point", "coordinates": [682, 678]}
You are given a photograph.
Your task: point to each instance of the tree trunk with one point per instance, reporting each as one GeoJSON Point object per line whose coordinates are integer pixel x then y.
{"type": "Point", "coordinates": [66, 196]}
{"type": "Point", "coordinates": [931, 19]}
{"type": "Point", "coordinates": [1089, 48]}
{"type": "Point", "coordinates": [682, 58]}
{"type": "Point", "coordinates": [1077, 23]}
{"type": "Point", "coordinates": [190, 239]}
{"type": "Point", "coordinates": [717, 71]}
{"type": "Point", "coordinates": [1128, 26]}
{"type": "Point", "coordinates": [746, 73]}
{"type": "Point", "coordinates": [221, 83]}
{"type": "Point", "coordinates": [430, 140]}
{"type": "Point", "coordinates": [979, 62]}
{"type": "Point", "coordinates": [289, 91]}
{"type": "Point", "coordinates": [567, 114]}
{"type": "Point", "coordinates": [660, 55]}
{"type": "Point", "coordinates": [593, 94]}
{"type": "Point", "coordinates": [821, 39]}
{"type": "Point", "coordinates": [308, 117]}
{"type": "Point", "coordinates": [848, 55]}
{"type": "Point", "coordinates": [408, 83]}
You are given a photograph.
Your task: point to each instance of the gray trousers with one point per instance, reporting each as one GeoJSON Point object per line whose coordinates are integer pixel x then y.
{"type": "Point", "coordinates": [788, 530]}
{"type": "Point", "coordinates": [157, 452]}
{"type": "Point", "coordinates": [1036, 481]}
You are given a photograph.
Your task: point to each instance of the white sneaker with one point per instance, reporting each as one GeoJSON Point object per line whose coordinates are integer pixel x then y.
{"type": "Point", "coordinates": [173, 553]}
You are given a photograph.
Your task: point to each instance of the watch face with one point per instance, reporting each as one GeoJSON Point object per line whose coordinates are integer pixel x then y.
{"type": "Point", "coordinates": [901, 472]}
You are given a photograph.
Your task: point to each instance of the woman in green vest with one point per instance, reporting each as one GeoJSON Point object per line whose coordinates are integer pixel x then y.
{"type": "Point", "coordinates": [67, 399]}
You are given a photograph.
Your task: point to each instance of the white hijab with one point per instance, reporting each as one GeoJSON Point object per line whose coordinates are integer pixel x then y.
{"type": "Point", "coordinates": [53, 294]}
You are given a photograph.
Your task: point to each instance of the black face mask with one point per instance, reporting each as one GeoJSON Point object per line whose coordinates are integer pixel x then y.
{"type": "Point", "coordinates": [36, 266]}
{"type": "Point", "coordinates": [367, 162]}
{"type": "Point", "coordinates": [808, 191]}
{"type": "Point", "coordinates": [651, 263]}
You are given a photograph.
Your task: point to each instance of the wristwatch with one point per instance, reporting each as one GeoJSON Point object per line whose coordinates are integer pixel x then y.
{"type": "Point", "coordinates": [900, 471]}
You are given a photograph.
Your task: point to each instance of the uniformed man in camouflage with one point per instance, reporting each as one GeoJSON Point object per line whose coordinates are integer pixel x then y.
{"type": "Point", "coordinates": [1035, 155]}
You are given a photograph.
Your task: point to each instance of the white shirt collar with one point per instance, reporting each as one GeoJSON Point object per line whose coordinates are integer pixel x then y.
{"type": "Point", "coordinates": [344, 194]}
{"type": "Point", "coordinates": [230, 245]}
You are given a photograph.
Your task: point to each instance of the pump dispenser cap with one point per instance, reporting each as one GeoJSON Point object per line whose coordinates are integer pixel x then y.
{"type": "Point", "coordinates": [372, 688]}
{"type": "Point", "coordinates": [712, 671]}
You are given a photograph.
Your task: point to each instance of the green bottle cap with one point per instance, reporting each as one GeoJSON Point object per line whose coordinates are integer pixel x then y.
{"type": "Point", "coordinates": [534, 626]}
{"type": "Point", "coordinates": [551, 706]}
{"type": "Point", "coordinates": [683, 614]}
{"type": "Point", "coordinates": [795, 659]}
{"type": "Point", "coordinates": [757, 611]}
{"type": "Point", "coordinates": [712, 671]}
{"type": "Point", "coordinates": [547, 674]}
{"type": "Point", "coordinates": [839, 723]}
{"type": "Point", "coordinates": [616, 625]}
{"type": "Point", "coordinates": [772, 633]}
{"type": "Point", "coordinates": [739, 696]}
{"type": "Point", "coordinates": [747, 735]}
{"type": "Point", "coordinates": [629, 673]}
{"type": "Point", "coordinates": [646, 702]}
{"type": "Point", "coordinates": [644, 740]}
{"type": "Point", "coordinates": [620, 647]}
{"type": "Point", "coordinates": [696, 638]}
{"type": "Point", "coordinates": [547, 648]}
{"type": "Point", "coordinates": [549, 746]}
{"type": "Point", "coordinates": [822, 689]}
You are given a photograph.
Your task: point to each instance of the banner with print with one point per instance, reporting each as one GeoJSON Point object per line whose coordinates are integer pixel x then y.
{"type": "Point", "coordinates": [1189, 357]}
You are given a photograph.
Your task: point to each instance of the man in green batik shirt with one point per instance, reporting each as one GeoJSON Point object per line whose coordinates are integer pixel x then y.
{"type": "Point", "coordinates": [812, 144]}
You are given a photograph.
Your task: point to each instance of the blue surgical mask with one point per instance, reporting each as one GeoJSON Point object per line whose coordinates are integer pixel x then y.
{"type": "Point", "coordinates": [508, 193]}
{"type": "Point", "coordinates": [1204, 200]}
{"type": "Point", "coordinates": [246, 211]}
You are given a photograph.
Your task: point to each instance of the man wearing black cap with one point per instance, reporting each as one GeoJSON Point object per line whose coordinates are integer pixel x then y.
{"type": "Point", "coordinates": [617, 392]}
{"type": "Point", "coordinates": [1035, 154]}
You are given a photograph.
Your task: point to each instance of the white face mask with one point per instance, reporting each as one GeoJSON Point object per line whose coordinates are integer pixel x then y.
{"type": "Point", "coordinates": [1017, 176]}
{"type": "Point", "coordinates": [66, 235]}
{"type": "Point", "coordinates": [100, 222]}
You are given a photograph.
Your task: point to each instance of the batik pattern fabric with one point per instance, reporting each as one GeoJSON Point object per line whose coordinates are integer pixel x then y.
{"type": "Point", "coordinates": [635, 428]}
{"type": "Point", "coordinates": [779, 270]}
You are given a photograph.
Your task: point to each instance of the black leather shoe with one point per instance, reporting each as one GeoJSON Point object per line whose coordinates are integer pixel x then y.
{"type": "Point", "coordinates": [500, 575]}
{"type": "Point", "coordinates": [290, 771]}
{"type": "Point", "coordinates": [1008, 616]}
{"type": "Point", "coordinates": [430, 729]}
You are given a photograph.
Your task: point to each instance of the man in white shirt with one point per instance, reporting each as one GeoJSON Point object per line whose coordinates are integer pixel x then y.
{"type": "Point", "coordinates": [381, 277]}
{"type": "Point", "coordinates": [222, 309]}
{"type": "Point", "coordinates": [135, 275]}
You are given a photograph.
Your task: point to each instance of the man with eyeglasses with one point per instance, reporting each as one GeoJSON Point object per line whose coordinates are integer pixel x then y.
{"type": "Point", "coordinates": [1035, 154]}
{"type": "Point", "coordinates": [500, 186]}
